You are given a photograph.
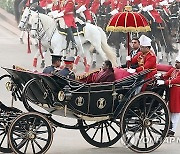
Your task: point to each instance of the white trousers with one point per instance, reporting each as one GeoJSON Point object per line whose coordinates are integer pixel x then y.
{"type": "Point", "coordinates": [174, 119]}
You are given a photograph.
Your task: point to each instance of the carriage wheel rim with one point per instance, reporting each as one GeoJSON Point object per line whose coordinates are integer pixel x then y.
{"type": "Point", "coordinates": [144, 127]}
{"type": "Point", "coordinates": [28, 139]}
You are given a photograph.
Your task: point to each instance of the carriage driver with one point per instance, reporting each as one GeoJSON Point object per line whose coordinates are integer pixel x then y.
{"type": "Point", "coordinates": [145, 58]}
{"type": "Point", "coordinates": [68, 68]}
{"type": "Point", "coordinates": [172, 79]}
{"type": "Point", "coordinates": [66, 10]}
{"type": "Point", "coordinates": [56, 63]}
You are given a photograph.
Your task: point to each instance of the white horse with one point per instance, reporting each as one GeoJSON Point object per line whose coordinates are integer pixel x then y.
{"type": "Point", "coordinates": [44, 27]}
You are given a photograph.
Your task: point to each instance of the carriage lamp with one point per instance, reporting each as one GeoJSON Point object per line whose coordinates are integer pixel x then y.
{"type": "Point", "coordinates": [67, 93]}
{"type": "Point", "coordinates": [68, 96]}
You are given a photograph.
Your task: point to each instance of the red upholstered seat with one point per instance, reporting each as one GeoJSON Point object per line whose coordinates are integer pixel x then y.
{"type": "Point", "coordinates": [163, 67]}
{"type": "Point", "coordinates": [120, 73]}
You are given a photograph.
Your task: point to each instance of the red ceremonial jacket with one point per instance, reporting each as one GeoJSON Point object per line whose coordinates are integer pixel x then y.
{"type": "Point", "coordinates": [105, 76]}
{"type": "Point", "coordinates": [95, 6]}
{"type": "Point", "coordinates": [68, 9]}
{"type": "Point", "coordinates": [172, 79]}
{"type": "Point", "coordinates": [82, 2]}
{"type": "Point", "coordinates": [43, 3]}
{"type": "Point", "coordinates": [116, 4]}
{"type": "Point", "coordinates": [147, 61]}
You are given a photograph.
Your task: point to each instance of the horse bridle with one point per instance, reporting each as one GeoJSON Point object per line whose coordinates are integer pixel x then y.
{"type": "Point", "coordinates": [39, 29]}
{"type": "Point", "coordinates": [25, 23]}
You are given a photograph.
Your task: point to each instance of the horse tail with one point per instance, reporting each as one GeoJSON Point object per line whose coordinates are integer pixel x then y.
{"type": "Point", "coordinates": [109, 51]}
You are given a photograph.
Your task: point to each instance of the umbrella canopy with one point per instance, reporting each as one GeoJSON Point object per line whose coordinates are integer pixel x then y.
{"type": "Point", "coordinates": [128, 22]}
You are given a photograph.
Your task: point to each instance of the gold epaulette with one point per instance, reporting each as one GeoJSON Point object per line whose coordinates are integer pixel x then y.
{"type": "Point", "coordinates": [82, 76]}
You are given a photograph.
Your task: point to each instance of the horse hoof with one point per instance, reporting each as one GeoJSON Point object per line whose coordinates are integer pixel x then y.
{"type": "Point", "coordinates": [170, 63]}
{"type": "Point", "coordinates": [42, 65]}
{"type": "Point", "coordinates": [21, 41]}
{"type": "Point", "coordinates": [94, 64]}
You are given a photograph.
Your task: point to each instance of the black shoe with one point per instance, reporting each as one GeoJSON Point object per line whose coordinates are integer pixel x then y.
{"type": "Point", "coordinates": [170, 133]}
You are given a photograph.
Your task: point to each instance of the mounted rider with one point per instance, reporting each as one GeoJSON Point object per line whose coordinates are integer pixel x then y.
{"type": "Point", "coordinates": [116, 5]}
{"type": "Point", "coordinates": [66, 10]}
{"type": "Point", "coordinates": [83, 9]}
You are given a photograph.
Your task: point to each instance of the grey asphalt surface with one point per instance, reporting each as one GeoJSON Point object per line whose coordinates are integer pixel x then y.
{"type": "Point", "coordinates": [65, 141]}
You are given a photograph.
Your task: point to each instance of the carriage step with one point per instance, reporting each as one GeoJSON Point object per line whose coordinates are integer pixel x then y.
{"type": "Point", "coordinates": [57, 104]}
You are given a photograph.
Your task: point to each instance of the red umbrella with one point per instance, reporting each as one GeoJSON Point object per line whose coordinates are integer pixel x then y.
{"type": "Point", "coordinates": [128, 21]}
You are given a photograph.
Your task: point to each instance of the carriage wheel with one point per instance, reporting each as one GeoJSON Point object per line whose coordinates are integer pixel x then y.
{"type": "Point", "coordinates": [145, 122]}
{"type": "Point", "coordinates": [103, 134]}
{"type": "Point", "coordinates": [30, 133]}
{"type": "Point", "coordinates": [4, 144]}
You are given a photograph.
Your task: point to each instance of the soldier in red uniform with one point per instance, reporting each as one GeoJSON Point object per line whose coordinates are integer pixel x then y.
{"type": "Point", "coordinates": [116, 5]}
{"type": "Point", "coordinates": [150, 5]}
{"type": "Point", "coordinates": [95, 6]}
{"type": "Point", "coordinates": [146, 59]}
{"type": "Point", "coordinates": [83, 9]}
{"type": "Point", "coordinates": [67, 12]}
{"type": "Point", "coordinates": [172, 79]}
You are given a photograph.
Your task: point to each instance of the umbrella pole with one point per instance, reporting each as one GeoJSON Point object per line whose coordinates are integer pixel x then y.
{"type": "Point", "coordinates": [128, 40]}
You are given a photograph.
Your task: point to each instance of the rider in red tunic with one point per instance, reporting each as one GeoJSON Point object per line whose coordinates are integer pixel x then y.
{"type": "Point", "coordinates": [116, 5]}
{"type": "Point", "coordinates": [67, 12]}
{"type": "Point", "coordinates": [83, 7]}
{"type": "Point", "coordinates": [95, 6]}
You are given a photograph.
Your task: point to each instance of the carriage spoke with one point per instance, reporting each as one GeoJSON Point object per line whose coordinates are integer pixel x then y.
{"type": "Point", "coordinates": [150, 134]}
{"type": "Point", "coordinates": [155, 130]}
{"type": "Point", "coordinates": [20, 145]}
{"type": "Point", "coordinates": [139, 138]}
{"type": "Point", "coordinates": [33, 148]}
{"type": "Point", "coordinates": [3, 139]}
{"type": "Point", "coordinates": [38, 144]}
{"type": "Point", "coordinates": [112, 128]}
{"type": "Point", "coordinates": [96, 131]}
{"type": "Point", "coordinates": [108, 135]}
{"type": "Point", "coordinates": [26, 146]}
{"type": "Point", "coordinates": [41, 132]}
{"type": "Point", "coordinates": [101, 132]}
{"type": "Point", "coordinates": [43, 139]}
{"type": "Point", "coordinates": [150, 106]}
{"type": "Point", "coordinates": [155, 110]}
{"type": "Point", "coordinates": [135, 114]}
{"type": "Point", "coordinates": [145, 138]}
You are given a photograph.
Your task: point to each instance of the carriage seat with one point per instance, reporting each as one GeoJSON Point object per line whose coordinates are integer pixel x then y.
{"type": "Point", "coordinates": [163, 67]}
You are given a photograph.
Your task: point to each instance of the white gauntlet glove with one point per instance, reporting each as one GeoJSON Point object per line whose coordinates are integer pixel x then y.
{"type": "Point", "coordinates": [158, 75]}
{"type": "Point", "coordinates": [81, 9]}
{"type": "Point", "coordinates": [113, 12]}
{"type": "Point", "coordinates": [128, 58]}
{"type": "Point", "coordinates": [60, 14]}
{"type": "Point", "coordinates": [130, 70]}
{"type": "Point", "coordinates": [160, 82]}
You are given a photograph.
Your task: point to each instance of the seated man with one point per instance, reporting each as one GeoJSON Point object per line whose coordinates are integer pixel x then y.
{"type": "Point", "coordinates": [56, 63]}
{"type": "Point", "coordinates": [67, 71]}
{"type": "Point", "coordinates": [106, 74]}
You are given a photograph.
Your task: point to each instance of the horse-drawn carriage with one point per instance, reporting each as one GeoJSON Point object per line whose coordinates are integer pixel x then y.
{"type": "Point", "coordinates": [105, 112]}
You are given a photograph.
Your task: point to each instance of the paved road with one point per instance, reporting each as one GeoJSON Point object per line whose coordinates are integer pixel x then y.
{"type": "Point", "coordinates": [65, 141]}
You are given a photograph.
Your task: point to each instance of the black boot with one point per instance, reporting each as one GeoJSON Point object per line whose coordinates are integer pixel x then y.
{"type": "Point", "coordinates": [71, 37]}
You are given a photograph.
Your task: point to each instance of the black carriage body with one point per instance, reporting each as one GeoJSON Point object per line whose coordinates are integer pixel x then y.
{"type": "Point", "coordinates": [94, 100]}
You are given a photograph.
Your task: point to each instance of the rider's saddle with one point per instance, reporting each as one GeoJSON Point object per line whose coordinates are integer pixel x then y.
{"type": "Point", "coordinates": [76, 31]}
